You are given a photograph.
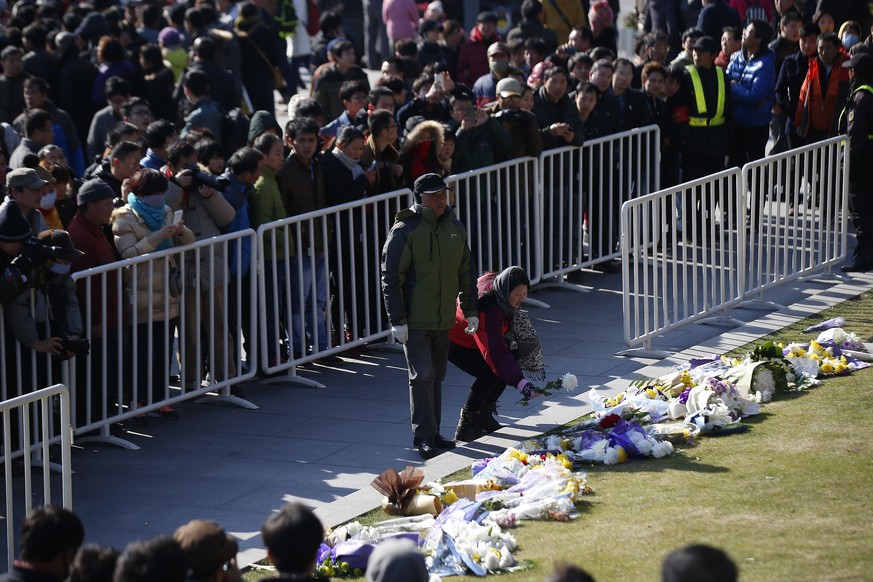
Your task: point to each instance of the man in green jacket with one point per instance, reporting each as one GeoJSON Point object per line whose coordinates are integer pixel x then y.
{"type": "Point", "coordinates": [426, 271]}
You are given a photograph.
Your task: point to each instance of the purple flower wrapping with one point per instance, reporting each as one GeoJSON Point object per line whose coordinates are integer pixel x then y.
{"type": "Point", "coordinates": [620, 436]}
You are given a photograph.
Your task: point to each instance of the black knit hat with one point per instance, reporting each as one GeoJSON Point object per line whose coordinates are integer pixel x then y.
{"type": "Point", "coordinates": [13, 226]}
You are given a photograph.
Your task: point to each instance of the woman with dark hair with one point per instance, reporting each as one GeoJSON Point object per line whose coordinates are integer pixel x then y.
{"type": "Point", "coordinates": [505, 350]}
{"type": "Point", "coordinates": [145, 225]}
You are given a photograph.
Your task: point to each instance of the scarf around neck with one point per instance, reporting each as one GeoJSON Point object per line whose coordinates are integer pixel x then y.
{"type": "Point", "coordinates": [353, 166]}
{"type": "Point", "coordinates": [154, 217]}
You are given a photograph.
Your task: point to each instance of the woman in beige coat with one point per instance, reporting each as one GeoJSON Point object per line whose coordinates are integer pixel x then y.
{"type": "Point", "coordinates": [145, 225]}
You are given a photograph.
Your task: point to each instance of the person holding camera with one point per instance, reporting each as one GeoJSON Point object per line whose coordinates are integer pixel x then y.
{"type": "Point", "coordinates": [45, 317]}
{"type": "Point", "coordinates": [193, 192]}
{"type": "Point", "coordinates": [25, 187]}
{"type": "Point", "coordinates": [145, 225]}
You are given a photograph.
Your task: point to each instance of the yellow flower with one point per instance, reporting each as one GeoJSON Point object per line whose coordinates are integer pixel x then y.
{"type": "Point", "coordinates": [562, 458]}
{"type": "Point", "coordinates": [827, 368]}
{"type": "Point", "coordinates": [685, 378]}
{"type": "Point", "coordinates": [449, 497]}
{"type": "Point", "coordinates": [843, 360]}
{"type": "Point", "coordinates": [651, 394]}
{"type": "Point", "coordinates": [815, 346]}
{"type": "Point", "coordinates": [815, 357]}
{"type": "Point", "coordinates": [622, 454]}
{"type": "Point", "coordinates": [516, 454]}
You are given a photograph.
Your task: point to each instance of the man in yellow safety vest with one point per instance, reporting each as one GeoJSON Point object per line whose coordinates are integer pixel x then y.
{"type": "Point", "coordinates": [703, 117]}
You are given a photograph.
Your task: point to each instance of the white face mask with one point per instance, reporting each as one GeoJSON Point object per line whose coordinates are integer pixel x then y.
{"type": "Point", "coordinates": [60, 268]}
{"type": "Point", "coordinates": [48, 200]}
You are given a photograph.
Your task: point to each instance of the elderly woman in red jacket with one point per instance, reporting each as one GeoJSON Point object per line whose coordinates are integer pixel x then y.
{"type": "Point", "coordinates": [502, 352]}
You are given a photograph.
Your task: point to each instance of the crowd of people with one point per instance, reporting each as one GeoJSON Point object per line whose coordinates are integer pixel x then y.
{"type": "Point", "coordinates": [175, 139]}
{"type": "Point", "coordinates": [51, 550]}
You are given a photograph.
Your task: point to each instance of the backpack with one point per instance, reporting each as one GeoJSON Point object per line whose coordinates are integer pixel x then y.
{"type": "Point", "coordinates": [755, 12]}
{"type": "Point", "coordinates": [286, 19]}
{"type": "Point", "coordinates": [234, 131]}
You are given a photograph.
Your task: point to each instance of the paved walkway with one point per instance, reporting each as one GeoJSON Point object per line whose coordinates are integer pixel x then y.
{"type": "Point", "coordinates": [324, 446]}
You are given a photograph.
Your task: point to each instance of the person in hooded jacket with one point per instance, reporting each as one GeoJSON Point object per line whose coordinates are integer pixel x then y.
{"type": "Point", "coordinates": [488, 355]}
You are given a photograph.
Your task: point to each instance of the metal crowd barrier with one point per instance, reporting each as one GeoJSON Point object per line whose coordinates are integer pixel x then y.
{"type": "Point", "coordinates": [675, 273]}
{"type": "Point", "coordinates": [127, 372]}
{"type": "Point", "coordinates": [582, 191]}
{"type": "Point", "coordinates": [502, 213]}
{"type": "Point", "coordinates": [319, 281]}
{"type": "Point", "coordinates": [31, 424]}
{"type": "Point", "coordinates": [774, 221]}
{"type": "Point", "coordinates": [798, 212]}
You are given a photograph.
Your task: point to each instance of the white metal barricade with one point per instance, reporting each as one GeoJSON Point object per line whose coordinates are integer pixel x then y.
{"type": "Point", "coordinates": [798, 210]}
{"type": "Point", "coordinates": [583, 190]}
{"type": "Point", "coordinates": [319, 281]}
{"type": "Point", "coordinates": [500, 209]}
{"type": "Point", "coordinates": [672, 277]}
{"type": "Point", "coordinates": [134, 312]}
{"type": "Point", "coordinates": [31, 423]}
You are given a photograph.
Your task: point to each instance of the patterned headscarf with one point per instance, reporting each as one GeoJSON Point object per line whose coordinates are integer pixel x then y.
{"type": "Point", "coordinates": [522, 337]}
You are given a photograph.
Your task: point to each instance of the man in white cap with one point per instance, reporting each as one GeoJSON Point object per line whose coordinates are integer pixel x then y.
{"type": "Point", "coordinates": [426, 270]}
{"type": "Point", "coordinates": [520, 124]}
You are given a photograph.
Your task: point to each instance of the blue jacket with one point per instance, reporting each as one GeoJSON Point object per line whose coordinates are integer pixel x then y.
{"type": "Point", "coordinates": [237, 194]}
{"type": "Point", "coordinates": [753, 83]}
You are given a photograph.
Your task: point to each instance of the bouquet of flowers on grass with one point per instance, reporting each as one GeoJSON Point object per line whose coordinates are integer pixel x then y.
{"type": "Point", "coordinates": [530, 391]}
{"type": "Point", "coordinates": [762, 373]}
{"type": "Point", "coordinates": [461, 541]}
{"type": "Point", "coordinates": [547, 491]}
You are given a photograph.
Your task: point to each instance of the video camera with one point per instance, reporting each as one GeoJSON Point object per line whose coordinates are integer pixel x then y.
{"type": "Point", "coordinates": [33, 254]}
{"type": "Point", "coordinates": [78, 346]}
{"type": "Point", "coordinates": [201, 178]}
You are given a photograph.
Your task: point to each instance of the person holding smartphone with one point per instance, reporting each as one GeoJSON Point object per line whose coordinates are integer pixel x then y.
{"type": "Point", "coordinates": [480, 140]}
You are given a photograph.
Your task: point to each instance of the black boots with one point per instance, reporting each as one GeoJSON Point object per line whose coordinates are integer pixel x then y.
{"type": "Point", "coordinates": [485, 418]}
{"type": "Point", "coordinates": [861, 261]}
{"type": "Point", "coordinates": [468, 428]}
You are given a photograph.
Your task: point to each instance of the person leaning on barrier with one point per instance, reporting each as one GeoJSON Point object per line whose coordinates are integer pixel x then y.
{"type": "Point", "coordinates": [88, 231]}
{"type": "Point", "coordinates": [292, 536]}
{"type": "Point", "coordinates": [145, 225]}
{"type": "Point", "coordinates": [15, 231]}
{"type": "Point", "coordinates": [206, 213]}
{"type": "Point", "coordinates": [858, 120]}
{"type": "Point", "coordinates": [426, 270]}
{"type": "Point", "coordinates": [558, 120]}
{"type": "Point", "coordinates": [381, 147]}
{"type": "Point", "coordinates": [301, 183]}
{"type": "Point", "coordinates": [521, 125]}
{"type": "Point", "coordinates": [211, 552]}
{"type": "Point", "coordinates": [480, 140]}
{"type": "Point", "coordinates": [267, 207]}
{"type": "Point", "coordinates": [50, 538]}
{"type": "Point", "coordinates": [489, 354]}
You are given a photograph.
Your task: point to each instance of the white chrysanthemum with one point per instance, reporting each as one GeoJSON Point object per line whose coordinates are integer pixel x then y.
{"type": "Point", "coordinates": [569, 381]}
{"type": "Point", "coordinates": [662, 449]}
{"type": "Point", "coordinates": [611, 456]}
{"type": "Point", "coordinates": [553, 443]}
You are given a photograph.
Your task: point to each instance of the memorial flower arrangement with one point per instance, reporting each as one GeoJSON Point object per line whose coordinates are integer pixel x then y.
{"type": "Point", "coordinates": [464, 526]}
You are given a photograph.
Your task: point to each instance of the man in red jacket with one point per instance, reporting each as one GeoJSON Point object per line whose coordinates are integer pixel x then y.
{"type": "Point", "coordinates": [473, 57]}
